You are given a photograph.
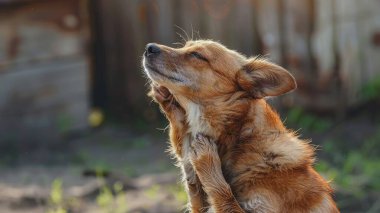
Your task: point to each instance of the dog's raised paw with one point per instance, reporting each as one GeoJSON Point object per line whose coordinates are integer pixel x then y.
{"type": "Point", "coordinates": [202, 145]}
{"type": "Point", "coordinates": [166, 100]}
{"type": "Point", "coordinates": [161, 94]}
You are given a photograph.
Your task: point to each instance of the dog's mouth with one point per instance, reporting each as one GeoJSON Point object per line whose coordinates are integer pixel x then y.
{"type": "Point", "coordinates": [155, 71]}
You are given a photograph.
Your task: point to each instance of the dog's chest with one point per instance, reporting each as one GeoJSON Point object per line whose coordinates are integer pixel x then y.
{"type": "Point", "coordinates": [196, 121]}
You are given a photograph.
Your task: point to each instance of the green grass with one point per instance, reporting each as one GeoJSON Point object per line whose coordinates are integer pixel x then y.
{"type": "Point", "coordinates": [112, 200]}
{"type": "Point", "coordinates": [109, 200]}
{"type": "Point", "coordinates": [353, 167]}
{"type": "Point", "coordinates": [356, 171]}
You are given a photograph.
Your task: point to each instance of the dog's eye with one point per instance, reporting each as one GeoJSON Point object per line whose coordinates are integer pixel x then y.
{"type": "Point", "coordinates": [198, 56]}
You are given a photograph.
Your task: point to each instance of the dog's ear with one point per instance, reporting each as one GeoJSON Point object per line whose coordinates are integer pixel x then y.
{"type": "Point", "coordinates": [261, 78]}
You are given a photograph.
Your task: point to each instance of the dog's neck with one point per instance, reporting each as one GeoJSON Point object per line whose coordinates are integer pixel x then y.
{"type": "Point", "coordinates": [265, 119]}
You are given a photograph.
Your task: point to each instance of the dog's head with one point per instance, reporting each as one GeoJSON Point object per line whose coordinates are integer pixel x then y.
{"type": "Point", "coordinates": [203, 69]}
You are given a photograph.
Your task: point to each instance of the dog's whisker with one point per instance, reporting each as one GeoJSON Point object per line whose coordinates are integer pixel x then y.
{"type": "Point", "coordinates": [187, 36]}
{"type": "Point", "coordinates": [179, 34]}
{"type": "Point", "coordinates": [192, 31]}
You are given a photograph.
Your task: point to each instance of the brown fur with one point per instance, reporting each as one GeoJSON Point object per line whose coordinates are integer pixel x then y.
{"type": "Point", "coordinates": [234, 151]}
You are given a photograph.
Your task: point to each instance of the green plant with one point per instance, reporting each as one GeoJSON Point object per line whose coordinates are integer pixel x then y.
{"type": "Point", "coordinates": [56, 198]}
{"type": "Point", "coordinates": [371, 90]}
{"type": "Point", "coordinates": [120, 198]}
{"type": "Point", "coordinates": [111, 202]}
{"type": "Point", "coordinates": [298, 118]}
{"type": "Point", "coordinates": [105, 198]}
{"type": "Point", "coordinates": [370, 146]}
{"type": "Point", "coordinates": [178, 193]}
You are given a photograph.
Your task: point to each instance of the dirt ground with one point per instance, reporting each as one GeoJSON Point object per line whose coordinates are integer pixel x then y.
{"type": "Point", "coordinates": [139, 162]}
{"type": "Point", "coordinates": [112, 170]}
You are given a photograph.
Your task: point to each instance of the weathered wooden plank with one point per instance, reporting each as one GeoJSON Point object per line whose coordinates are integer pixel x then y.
{"type": "Point", "coordinates": [14, 2]}
{"type": "Point", "coordinates": [131, 52]}
{"type": "Point", "coordinates": [323, 41]}
{"type": "Point", "coordinates": [269, 29]}
{"type": "Point", "coordinates": [49, 99]}
{"type": "Point", "coordinates": [297, 29]}
{"type": "Point", "coordinates": [110, 29]}
{"type": "Point", "coordinates": [191, 18]}
{"type": "Point", "coordinates": [347, 39]}
{"type": "Point", "coordinates": [242, 26]}
{"type": "Point", "coordinates": [217, 16]}
{"type": "Point", "coordinates": [165, 23]}
{"type": "Point", "coordinates": [369, 37]}
{"type": "Point", "coordinates": [40, 30]}
{"type": "Point", "coordinates": [44, 70]}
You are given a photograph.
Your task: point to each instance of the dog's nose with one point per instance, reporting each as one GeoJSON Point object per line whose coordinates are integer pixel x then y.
{"type": "Point", "coordinates": [151, 49]}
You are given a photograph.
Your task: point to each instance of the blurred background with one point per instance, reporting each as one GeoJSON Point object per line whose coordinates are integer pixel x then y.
{"type": "Point", "coordinates": [79, 134]}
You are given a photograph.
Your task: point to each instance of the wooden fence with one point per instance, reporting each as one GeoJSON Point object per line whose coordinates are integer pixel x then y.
{"type": "Point", "coordinates": [52, 57]}
{"type": "Point", "coordinates": [44, 69]}
{"type": "Point", "coordinates": [332, 47]}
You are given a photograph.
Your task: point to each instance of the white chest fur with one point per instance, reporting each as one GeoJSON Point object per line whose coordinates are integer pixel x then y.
{"type": "Point", "coordinates": [196, 120]}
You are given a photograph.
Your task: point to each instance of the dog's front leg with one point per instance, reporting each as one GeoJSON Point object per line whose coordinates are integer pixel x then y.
{"type": "Point", "coordinates": [180, 138]}
{"type": "Point", "coordinates": [197, 196]}
{"type": "Point", "coordinates": [207, 164]}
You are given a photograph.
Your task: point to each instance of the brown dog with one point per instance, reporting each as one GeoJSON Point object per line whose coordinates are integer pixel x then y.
{"type": "Point", "coordinates": [234, 151]}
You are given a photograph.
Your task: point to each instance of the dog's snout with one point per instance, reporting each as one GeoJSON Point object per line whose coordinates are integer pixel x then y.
{"type": "Point", "coordinates": [152, 49]}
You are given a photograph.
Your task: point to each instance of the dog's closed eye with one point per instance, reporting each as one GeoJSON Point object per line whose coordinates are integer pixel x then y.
{"type": "Point", "coordinates": [198, 56]}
